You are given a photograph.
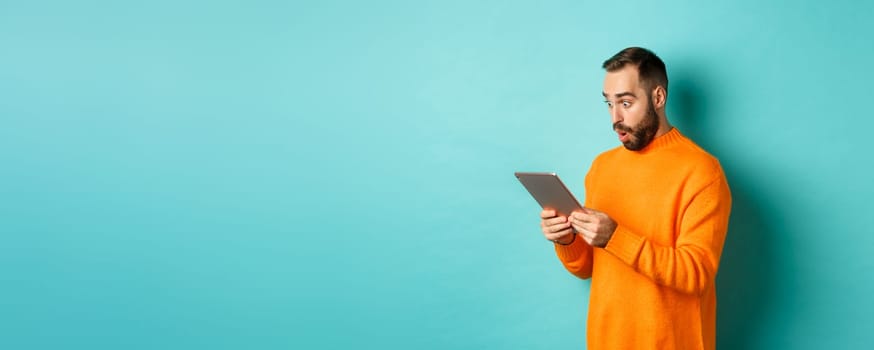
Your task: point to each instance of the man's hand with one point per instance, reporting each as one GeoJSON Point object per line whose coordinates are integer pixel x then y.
{"type": "Point", "coordinates": [556, 228]}
{"type": "Point", "coordinates": [595, 226]}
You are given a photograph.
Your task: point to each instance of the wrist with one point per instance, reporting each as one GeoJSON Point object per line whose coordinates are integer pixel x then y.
{"type": "Point", "coordinates": [564, 241]}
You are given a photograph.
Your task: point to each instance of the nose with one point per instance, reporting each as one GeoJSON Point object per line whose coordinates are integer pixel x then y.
{"type": "Point", "coordinates": [616, 115]}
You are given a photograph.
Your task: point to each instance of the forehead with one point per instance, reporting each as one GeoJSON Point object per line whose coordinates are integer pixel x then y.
{"type": "Point", "coordinates": [623, 80]}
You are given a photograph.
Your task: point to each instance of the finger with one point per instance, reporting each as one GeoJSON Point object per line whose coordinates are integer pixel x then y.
{"type": "Point", "coordinates": [547, 213]}
{"type": "Point", "coordinates": [588, 236]}
{"type": "Point", "coordinates": [576, 225]}
{"type": "Point", "coordinates": [590, 227]}
{"type": "Point", "coordinates": [586, 232]}
{"type": "Point", "coordinates": [555, 221]}
{"type": "Point", "coordinates": [549, 227]}
{"type": "Point", "coordinates": [590, 211]}
{"type": "Point", "coordinates": [575, 219]}
{"type": "Point", "coordinates": [558, 235]}
{"type": "Point", "coordinates": [585, 222]}
{"type": "Point", "coordinates": [558, 227]}
{"type": "Point", "coordinates": [583, 216]}
{"type": "Point", "coordinates": [554, 236]}
{"type": "Point", "coordinates": [576, 229]}
{"type": "Point", "coordinates": [553, 231]}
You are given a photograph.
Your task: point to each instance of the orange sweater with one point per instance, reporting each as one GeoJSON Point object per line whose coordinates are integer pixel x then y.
{"type": "Point", "coordinates": [653, 284]}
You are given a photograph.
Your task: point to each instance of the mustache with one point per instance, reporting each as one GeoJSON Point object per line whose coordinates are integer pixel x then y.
{"type": "Point", "coordinates": [618, 126]}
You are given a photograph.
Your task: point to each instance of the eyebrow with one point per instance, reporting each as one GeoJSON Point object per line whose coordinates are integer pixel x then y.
{"type": "Point", "coordinates": [621, 94]}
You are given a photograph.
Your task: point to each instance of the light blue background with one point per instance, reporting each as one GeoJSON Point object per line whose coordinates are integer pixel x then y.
{"type": "Point", "coordinates": [331, 175]}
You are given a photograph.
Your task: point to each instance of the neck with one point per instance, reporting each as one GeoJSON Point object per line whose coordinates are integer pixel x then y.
{"type": "Point", "coordinates": [664, 125]}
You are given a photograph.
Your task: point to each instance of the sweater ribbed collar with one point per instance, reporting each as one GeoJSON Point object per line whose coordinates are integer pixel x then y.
{"type": "Point", "coordinates": [669, 138]}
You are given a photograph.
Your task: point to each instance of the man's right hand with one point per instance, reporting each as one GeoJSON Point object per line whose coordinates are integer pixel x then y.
{"type": "Point", "coordinates": [556, 228]}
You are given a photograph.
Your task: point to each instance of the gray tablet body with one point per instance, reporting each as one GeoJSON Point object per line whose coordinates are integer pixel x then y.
{"type": "Point", "coordinates": [548, 190]}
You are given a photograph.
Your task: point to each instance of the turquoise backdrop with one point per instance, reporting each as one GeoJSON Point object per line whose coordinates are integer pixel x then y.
{"type": "Point", "coordinates": [338, 175]}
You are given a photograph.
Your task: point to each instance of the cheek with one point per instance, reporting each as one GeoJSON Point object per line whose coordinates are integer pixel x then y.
{"type": "Point", "coordinates": [633, 116]}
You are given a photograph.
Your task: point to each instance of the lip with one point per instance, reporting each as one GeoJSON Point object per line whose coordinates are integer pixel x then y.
{"type": "Point", "coordinates": [623, 136]}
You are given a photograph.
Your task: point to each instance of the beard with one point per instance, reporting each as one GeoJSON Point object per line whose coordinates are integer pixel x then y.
{"type": "Point", "coordinates": [644, 132]}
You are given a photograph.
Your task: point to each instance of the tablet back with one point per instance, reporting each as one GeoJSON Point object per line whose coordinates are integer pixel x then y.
{"type": "Point", "coordinates": [549, 191]}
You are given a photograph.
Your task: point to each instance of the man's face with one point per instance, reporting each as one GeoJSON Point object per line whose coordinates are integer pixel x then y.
{"type": "Point", "coordinates": [634, 118]}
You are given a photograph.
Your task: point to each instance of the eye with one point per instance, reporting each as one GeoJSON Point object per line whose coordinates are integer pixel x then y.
{"type": "Point", "coordinates": [626, 104]}
{"type": "Point", "coordinates": [609, 104]}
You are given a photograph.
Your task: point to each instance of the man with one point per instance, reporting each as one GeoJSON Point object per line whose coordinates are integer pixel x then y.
{"type": "Point", "coordinates": [655, 218]}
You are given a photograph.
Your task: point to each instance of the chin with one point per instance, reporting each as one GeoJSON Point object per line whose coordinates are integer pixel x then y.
{"type": "Point", "coordinates": [631, 145]}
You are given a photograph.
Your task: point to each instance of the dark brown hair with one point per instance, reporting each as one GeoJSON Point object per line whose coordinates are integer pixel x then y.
{"type": "Point", "coordinates": [651, 70]}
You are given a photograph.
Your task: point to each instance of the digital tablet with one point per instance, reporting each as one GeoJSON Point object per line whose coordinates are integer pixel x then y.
{"type": "Point", "coordinates": [548, 190]}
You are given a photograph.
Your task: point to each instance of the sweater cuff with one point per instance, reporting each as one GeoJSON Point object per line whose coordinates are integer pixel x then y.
{"type": "Point", "coordinates": [571, 251]}
{"type": "Point", "coordinates": [625, 245]}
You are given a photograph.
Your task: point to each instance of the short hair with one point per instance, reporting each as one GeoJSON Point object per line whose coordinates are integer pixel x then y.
{"type": "Point", "coordinates": [651, 70]}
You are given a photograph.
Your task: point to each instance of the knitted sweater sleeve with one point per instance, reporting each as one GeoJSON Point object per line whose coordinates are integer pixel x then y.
{"type": "Point", "coordinates": [690, 265]}
{"type": "Point", "coordinates": [577, 256]}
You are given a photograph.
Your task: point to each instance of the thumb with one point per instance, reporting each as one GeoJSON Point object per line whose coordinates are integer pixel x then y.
{"type": "Point", "coordinates": [592, 212]}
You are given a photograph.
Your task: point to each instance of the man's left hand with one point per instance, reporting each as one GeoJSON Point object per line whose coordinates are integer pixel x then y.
{"type": "Point", "coordinates": [594, 226]}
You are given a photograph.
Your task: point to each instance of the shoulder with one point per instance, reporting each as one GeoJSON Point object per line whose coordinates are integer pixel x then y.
{"type": "Point", "coordinates": [698, 168]}
{"type": "Point", "coordinates": [695, 156]}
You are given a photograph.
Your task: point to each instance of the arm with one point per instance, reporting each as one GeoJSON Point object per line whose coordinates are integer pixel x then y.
{"type": "Point", "coordinates": [690, 266]}
{"type": "Point", "coordinates": [576, 257]}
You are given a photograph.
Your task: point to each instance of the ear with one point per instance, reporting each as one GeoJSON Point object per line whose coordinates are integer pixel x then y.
{"type": "Point", "coordinates": [659, 97]}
